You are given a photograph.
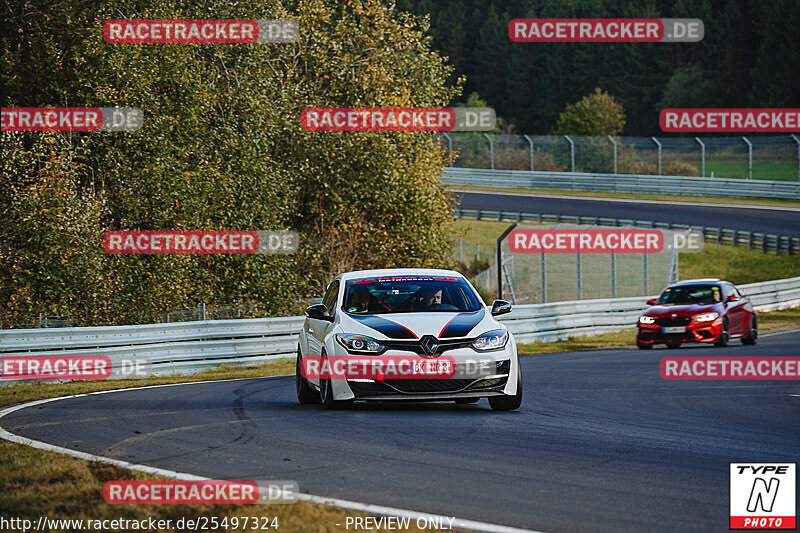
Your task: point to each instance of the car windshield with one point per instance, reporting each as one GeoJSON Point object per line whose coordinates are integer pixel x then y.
{"type": "Point", "coordinates": [691, 294]}
{"type": "Point", "coordinates": [409, 294]}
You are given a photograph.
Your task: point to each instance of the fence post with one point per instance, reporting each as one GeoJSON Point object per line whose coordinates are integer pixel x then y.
{"type": "Point", "coordinates": [530, 142]}
{"type": "Point", "coordinates": [579, 285]}
{"type": "Point", "coordinates": [797, 140]}
{"type": "Point", "coordinates": [499, 252]}
{"type": "Point", "coordinates": [749, 158]}
{"type": "Point", "coordinates": [644, 272]}
{"type": "Point", "coordinates": [659, 154]}
{"type": "Point", "coordinates": [544, 278]}
{"type": "Point", "coordinates": [201, 309]}
{"type": "Point", "coordinates": [478, 252]}
{"type": "Point", "coordinates": [571, 151]}
{"type": "Point", "coordinates": [449, 147]}
{"type": "Point", "coordinates": [610, 138]}
{"type": "Point", "coordinates": [613, 275]}
{"type": "Point", "coordinates": [702, 154]}
{"type": "Point", "coordinates": [491, 148]}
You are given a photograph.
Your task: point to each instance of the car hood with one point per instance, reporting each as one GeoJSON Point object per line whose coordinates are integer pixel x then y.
{"type": "Point", "coordinates": [682, 310]}
{"type": "Point", "coordinates": [411, 326]}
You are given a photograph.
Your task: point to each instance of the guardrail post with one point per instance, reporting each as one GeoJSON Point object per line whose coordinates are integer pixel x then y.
{"type": "Point", "coordinates": [749, 158]}
{"type": "Point", "coordinates": [797, 140]}
{"type": "Point", "coordinates": [579, 281]}
{"type": "Point", "coordinates": [478, 252]}
{"type": "Point", "coordinates": [530, 142]}
{"type": "Point", "coordinates": [571, 151]}
{"type": "Point", "coordinates": [659, 154]}
{"type": "Point", "coordinates": [610, 138]}
{"type": "Point", "coordinates": [449, 147]}
{"type": "Point", "coordinates": [460, 250]}
{"type": "Point", "coordinates": [702, 154]}
{"type": "Point", "coordinates": [499, 258]}
{"type": "Point", "coordinates": [201, 310]}
{"type": "Point", "coordinates": [613, 275]}
{"type": "Point", "coordinates": [491, 148]}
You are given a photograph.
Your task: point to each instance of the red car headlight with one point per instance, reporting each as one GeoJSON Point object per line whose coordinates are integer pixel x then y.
{"type": "Point", "coordinates": [706, 317]}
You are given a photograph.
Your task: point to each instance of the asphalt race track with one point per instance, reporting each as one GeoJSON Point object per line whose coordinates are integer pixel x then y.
{"type": "Point", "coordinates": [601, 442]}
{"type": "Point", "coordinates": [781, 222]}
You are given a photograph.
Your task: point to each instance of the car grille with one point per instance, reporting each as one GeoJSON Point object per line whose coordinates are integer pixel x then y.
{"type": "Point", "coordinates": [677, 321]}
{"type": "Point", "coordinates": [416, 347]}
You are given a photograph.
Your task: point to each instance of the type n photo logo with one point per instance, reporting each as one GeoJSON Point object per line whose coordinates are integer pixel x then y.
{"type": "Point", "coordinates": [763, 495]}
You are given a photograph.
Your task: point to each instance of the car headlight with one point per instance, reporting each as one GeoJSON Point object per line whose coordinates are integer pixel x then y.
{"type": "Point", "coordinates": [360, 343]}
{"type": "Point", "coordinates": [491, 340]}
{"type": "Point", "coordinates": [644, 319]}
{"type": "Point", "coordinates": [706, 317]}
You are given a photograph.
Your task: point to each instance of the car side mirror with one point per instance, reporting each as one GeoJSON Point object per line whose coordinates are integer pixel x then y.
{"type": "Point", "coordinates": [318, 312]}
{"type": "Point", "coordinates": [651, 301]}
{"type": "Point", "coordinates": [733, 298]}
{"type": "Point", "coordinates": [500, 307]}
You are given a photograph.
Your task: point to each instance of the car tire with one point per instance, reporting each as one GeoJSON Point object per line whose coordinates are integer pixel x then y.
{"type": "Point", "coordinates": [462, 401]}
{"type": "Point", "coordinates": [673, 345]}
{"type": "Point", "coordinates": [724, 336]}
{"type": "Point", "coordinates": [508, 403]}
{"type": "Point", "coordinates": [305, 394]}
{"type": "Point", "coordinates": [752, 335]}
{"type": "Point", "coordinates": [644, 346]}
{"type": "Point", "coordinates": [326, 394]}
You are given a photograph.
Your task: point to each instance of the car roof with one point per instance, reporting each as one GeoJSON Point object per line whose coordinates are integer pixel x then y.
{"type": "Point", "coordinates": [697, 281]}
{"type": "Point", "coordinates": [399, 272]}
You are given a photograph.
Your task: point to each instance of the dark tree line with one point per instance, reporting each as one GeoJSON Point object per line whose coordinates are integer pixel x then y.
{"type": "Point", "coordinates": [750, 57]}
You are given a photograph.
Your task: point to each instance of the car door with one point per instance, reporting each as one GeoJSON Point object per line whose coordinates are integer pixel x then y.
{"type": "Point", "coordinates": [735, 310]}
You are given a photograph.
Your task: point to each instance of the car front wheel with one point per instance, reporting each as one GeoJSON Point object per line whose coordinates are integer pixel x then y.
{"type": "Point", "coordinates": [724, 335]}
{"type": "Point", "coordinates": [305, 394]}
{"type": "Point", "coordinates": [508, 403]}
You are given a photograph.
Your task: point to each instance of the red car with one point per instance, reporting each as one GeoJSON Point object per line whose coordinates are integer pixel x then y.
{"type": "Point", "coordinates": [697, 310]}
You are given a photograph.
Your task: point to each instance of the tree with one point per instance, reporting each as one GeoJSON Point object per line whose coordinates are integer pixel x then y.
{"type": "Point", "coordinates": [688, 87]}
{"type": "Point", "coordinates": [221, 148]}
{"type": "Point", "coordinates": [595, 114]}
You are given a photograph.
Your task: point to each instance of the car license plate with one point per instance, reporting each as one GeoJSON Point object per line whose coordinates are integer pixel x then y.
{"type": "Point", "coordinates": [674, 329]}
{"type": "Point", "coordinates": [433, 368]}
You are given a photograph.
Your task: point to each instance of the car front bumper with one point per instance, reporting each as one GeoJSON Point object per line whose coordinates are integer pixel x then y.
{"type": "Point", "coordinates": [695, 332]}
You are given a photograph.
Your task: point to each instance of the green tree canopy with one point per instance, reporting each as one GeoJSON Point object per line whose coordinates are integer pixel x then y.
{"type": "Point", "coordinates": [595, 114]}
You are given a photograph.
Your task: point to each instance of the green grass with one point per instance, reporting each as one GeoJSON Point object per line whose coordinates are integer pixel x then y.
{"type": "Point", "coordinates": [768, 202]}
{"type": "Point", "coordinates": [779, 170]}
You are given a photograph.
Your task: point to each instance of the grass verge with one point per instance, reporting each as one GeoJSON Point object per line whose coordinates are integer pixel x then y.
{"type": "Point", "coordinates": [42, 483]}
{"type": "Point", "coordinates": [732, 200]}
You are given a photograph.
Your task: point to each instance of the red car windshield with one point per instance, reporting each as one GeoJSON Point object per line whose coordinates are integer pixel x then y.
{"type": "Point", "coordinates": [691, 294]}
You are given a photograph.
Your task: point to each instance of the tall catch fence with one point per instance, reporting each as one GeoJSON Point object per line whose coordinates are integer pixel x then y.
{"type": "Point", "coordinates": [748, 157]}
{"type": "Point", "coordinates": [534, 278]}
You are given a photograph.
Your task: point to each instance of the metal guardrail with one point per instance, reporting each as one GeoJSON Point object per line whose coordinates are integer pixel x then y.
{"type": "Point", "coordinates": [765, 242]}
{"type": "Point", "coordinates": [191, 346]}
{"type": "Point", "coordinates": [630, 183]}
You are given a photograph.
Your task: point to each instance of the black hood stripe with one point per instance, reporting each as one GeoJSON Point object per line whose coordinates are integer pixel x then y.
{"type": "Point", "coordinates": [462, 324]}
{"type": "Point", "coordinates": [391, 329]}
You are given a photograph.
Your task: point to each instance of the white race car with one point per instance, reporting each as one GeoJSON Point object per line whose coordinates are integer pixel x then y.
{"type": "Point", "coordinates": [406, 334]}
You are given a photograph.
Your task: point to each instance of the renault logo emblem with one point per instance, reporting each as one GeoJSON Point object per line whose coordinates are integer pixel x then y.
{"type": "Point", "coordinates": [429, 344]}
